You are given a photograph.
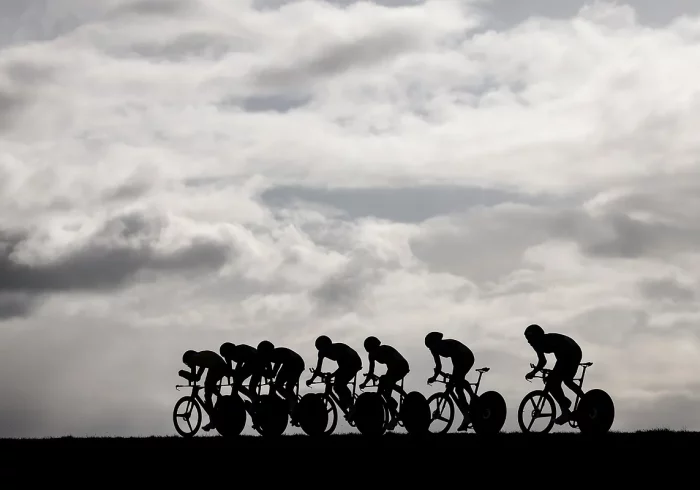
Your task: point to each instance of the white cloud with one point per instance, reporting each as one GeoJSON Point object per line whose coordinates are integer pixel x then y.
{"type": "Point", "coordinates": [143, 144]}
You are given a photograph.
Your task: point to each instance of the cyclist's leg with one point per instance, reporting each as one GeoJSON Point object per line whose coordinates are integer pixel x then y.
{"type": "Point", "coordinates": [461, 367]}
{"type": "Point", "coordinates": [554, 382]}
{"type": "Point", "coordinates": [210, 389]}
{"type": "Point", "coordinates": [342, 377]}
{"type": "Point", "coordinates": [570, 374]}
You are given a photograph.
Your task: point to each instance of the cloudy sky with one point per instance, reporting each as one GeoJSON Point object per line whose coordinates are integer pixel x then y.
{"type": "Point", "coordinates": [179, 173]}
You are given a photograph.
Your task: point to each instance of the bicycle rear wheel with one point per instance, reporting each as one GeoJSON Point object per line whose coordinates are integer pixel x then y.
{"type": "Point", "coordinates": [595, 412]}
{"type": "Point", "coordinates": [415, 413]}
{"type": "Point", "coordinates": [271, 415]}
{"type": "Point", "coordinates": [536, 405]}
{"type": "Point", "coordinates": [312, 414]}
{"type": "Point", "coordinates": [442, 410]}
{"type": "Point", "coordinates": [191, 407]}
{"type": "Point", "coordinates": [229, 415]}
{"type": "Point", "coordinates": [370, 414]}
{"type": "Point", "coordinates": [488, 413]}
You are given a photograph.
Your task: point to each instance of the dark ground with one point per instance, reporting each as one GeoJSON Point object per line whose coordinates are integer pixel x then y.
{"type": "Point", "coordinates": [628, 458]}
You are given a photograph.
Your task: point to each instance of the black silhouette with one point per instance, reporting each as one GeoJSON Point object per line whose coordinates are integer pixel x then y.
{"type": "Point", "coordinates": [487, 411]}
{"type": "Point", "coordinates": [374, 413]}
{"type": "Point", "coordinates": [216, 369]}
{"type": "Point", "coordinates": [284, 367]}
{"type": "Point", "coordinates": [568, 355]}
{"type": "Point", "coordinates": [411, 410]}
{"type": "Point", "coordinates": [366, 411]}
{"type": "Point", "coordinates": [248, 365]}
{"type": "Point", "coordinates": [593, 411]}
{"type": "Point", "coordinates": [349, 364]}
{"type": "Point", "coordinates": [462, 361]}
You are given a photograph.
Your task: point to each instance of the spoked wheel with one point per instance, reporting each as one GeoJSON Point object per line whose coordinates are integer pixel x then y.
{"type": "Point", "coordinates": [488, 413]}
{"type": "Point", "coordinates": [229, 415]}
{"type": "Point", "coordinates": [312, 414]}
{"type": "Point", "coordinates": [415, 413]}
{"type": "Point", "coordinates": [595, 412]}
{"type": "Point", "coordinates": [442, 413]}
{"type": "Point", "coordinates": [185, 410]}
{"type": "Point", "coordinates": [370, 414]}
{"type": "Point", "coordinates": [271, 415]}
{"type": "Point", "coordinates": [537, 412]}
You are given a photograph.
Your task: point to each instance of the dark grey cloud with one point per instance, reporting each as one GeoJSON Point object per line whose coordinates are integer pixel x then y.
{"type": "Point", "coordinates": [13, 305]}
{"type": "Point", "coordinates": [124, 248]}
{"type": "Point", "coordinates": [401, 204]}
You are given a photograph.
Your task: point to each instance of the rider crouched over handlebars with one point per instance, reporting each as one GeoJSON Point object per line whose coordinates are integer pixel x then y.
{"type": "Point", "coordinates": [284, 367]}
{"type": "Point", "coordinates": [349, 364]}
{"type": "Point", "coordinates": [216, 369]}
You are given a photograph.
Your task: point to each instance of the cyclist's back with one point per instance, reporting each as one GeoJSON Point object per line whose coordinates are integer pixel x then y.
{"type": "Point", "coordinates": [345, 356]}
{"type": "Point", "coordinates": [390, 357]}
{"type": "Point", "coordinates": [562, 346]}
{"type": "Point", "coordinates": [210, 360]}
{"type": "Point", "coordinates": [456, 351]}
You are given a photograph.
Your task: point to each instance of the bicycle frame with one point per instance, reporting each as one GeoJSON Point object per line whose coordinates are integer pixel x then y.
{"type": "Point", "coordinates": [328, 391]}
{"type": "Point", "coordinates": [449, 390]}
{"type": "Point", "coordinates": [545, 375]}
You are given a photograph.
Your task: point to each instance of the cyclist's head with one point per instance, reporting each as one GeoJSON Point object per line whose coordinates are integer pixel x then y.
{"type": "Point", "coordinates": [533, 333]}
{"type": "Point", "coordinates": [432, 339]}
{"type": "Point", "coordinates": [323, 342]}
{"type": "Point", "coordinates": [372, 343]}
{"type": "Point", "coordinates": [189, 357]}
{"type": "Point", "coordinates": [265, 348]}
{"type": "Point", "coordinates": [226, 350]}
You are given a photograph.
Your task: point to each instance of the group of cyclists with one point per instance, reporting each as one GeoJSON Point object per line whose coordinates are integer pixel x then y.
{"type": "Point", "coordinates": [284, 367]}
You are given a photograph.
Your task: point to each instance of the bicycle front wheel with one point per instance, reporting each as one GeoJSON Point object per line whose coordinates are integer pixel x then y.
{"type": "Point", "coordinates": [442, 411]}
{"type": "Point", "coordinates": [185, 408]}
{"type": "Point", "coordinates": [537, 406]}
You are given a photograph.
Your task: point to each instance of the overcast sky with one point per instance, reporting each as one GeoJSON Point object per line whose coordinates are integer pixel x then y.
{"type": "Point", "coordinates": [176, 174]}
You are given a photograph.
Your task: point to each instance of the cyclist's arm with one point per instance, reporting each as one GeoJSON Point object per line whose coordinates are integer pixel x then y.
{"type": "Point", "coordinates": [319, 365]}
{"type": "Point", "coordinates": [200, 372]}
{"type": "Point", "coordinates": [370, 372]}
{"type": "Point", "coordinates": [438, 364]}
{"type": "Point", "coordinates": [541, 361]}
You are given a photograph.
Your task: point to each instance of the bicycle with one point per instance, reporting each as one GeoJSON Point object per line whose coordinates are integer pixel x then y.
{"type": "Point", "coordinates": [268, 412]}
{"type": "Point", "coordinates": [229, 414]}
{"type": "Point", "coordinates": [594, 414]}
{"type": "Point", "coordinates": [411, 411]}
{"type": "Point", "coordinates": [487, 411]}
{"type": "Point", "coordinates": [369, 415]}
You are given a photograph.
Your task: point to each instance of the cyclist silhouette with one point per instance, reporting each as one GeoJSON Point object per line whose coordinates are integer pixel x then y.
{"type": "Point", "coordinates": [462, 361]}
{"type": "Point", "coordinates": [349, 363]}
{"type": "Point", "coordinates": [285, 366]}
{"type": "Point", "coordinates": [396, 367]}
{"type": "Point", "coordinates": [216, 369]}
{"type": "Point", "coordinates": [568, 355]}
{"type": "Point", "coordinates": [247, 364]}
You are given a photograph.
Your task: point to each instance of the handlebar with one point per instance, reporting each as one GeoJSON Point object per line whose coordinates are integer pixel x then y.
{"type": "Point", "coordinates": [544, 373]}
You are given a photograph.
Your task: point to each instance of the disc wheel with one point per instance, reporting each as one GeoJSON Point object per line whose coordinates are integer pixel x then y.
{"type": "Point", "coordinates": [271, 415]}
{"type": "Point", "coordinates": [370, 414]}
{"type": "Point", "coordinates": [415, 413]}
{"type": "Point", "coordinates": [595, 412]}
{"type": "Point", "coordinates": [489, 412]}
{"type": "Point", "coordinates": [230, 415]}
